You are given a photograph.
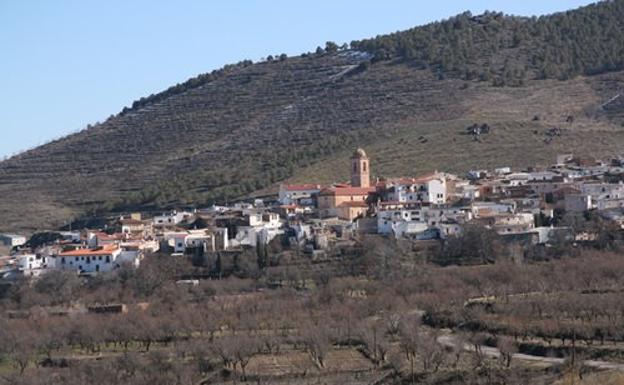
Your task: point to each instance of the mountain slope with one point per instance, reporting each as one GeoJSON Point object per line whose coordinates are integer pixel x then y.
{"type": "Point", "coordinates": [248, 127]}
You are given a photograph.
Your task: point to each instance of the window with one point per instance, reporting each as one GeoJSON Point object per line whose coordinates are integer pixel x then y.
{"type": "Point", "coordinates": [108, 259]}
{"type": "Point", "coordinates": [364, 166]}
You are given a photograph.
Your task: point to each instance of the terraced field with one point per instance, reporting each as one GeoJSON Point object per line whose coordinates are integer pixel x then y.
{"type": "Point", "coordinates": [299, 119]}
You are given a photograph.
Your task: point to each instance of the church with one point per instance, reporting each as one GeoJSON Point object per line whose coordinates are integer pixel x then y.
{"type": "Point", "coordinates": [349, 201]}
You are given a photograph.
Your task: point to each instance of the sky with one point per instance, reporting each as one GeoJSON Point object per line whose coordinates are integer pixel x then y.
{"type": "Point", "coordinates": [65, 64]}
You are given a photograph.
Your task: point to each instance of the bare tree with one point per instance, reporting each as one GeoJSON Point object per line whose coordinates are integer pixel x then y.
{"type": "Point", "coordinates": [376, 347]}
{"type": "Point", "coordinates": [317, 342]}
{"type": "Point", "coordinates": [478, 340]}
{"type": "Point", "coordinates": [243, 348]}
{"type": "Point", "coordinates": [430, 351]}
{"type": "Point", "coordinates": [223, 348]}
{"type": "Point", "coordinates": [507, 347]}
{"type": "Point", "coordinates": [409, 346]}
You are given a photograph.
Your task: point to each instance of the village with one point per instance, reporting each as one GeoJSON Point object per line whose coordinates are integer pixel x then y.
{"type": "Point", "coordinates": [538, 206]}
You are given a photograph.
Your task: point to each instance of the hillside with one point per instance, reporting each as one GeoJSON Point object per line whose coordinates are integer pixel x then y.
{"type": "Point", "coordinates": [243, 129]}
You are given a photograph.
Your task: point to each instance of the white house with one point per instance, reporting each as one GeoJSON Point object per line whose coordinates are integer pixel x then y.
{"type": "Point", "coordinates": [599, 191]}
{"type": "Point", "coordinates": [502, 170]}
{"type": "Point", "coordinates": [12, 240]}
{"type": "Point", "coordinates": [404, 228]}
{"type": "Point", "coordinates": [210, 240]}
{"type": "Point", "coordinates": [513, 223]}
{"type": "Point", "coordinates": [90, 260]}
{"type": "Point", "coordinates": [387, 219]}
{"type": "Point", "coordinates": [427, 189]}
{"type": "Point", "coordinates": [171, 219]}
{"type": "Point", "coordinates": [488, 209]}
{"type": "Point", "coordinates": [465, 190]}
{"type": "Point", "coordinates": [136, 226]}
{"type": "Point", "coordinates": [517, 178]}
{"type": "Point", "coordinates": [271, 220]}
{"type": "Point", "coordinates": [400, 221]}
{"type": "Point", "coordinates": [31, 264]}
{"type": "Point", "coordinates": [201, 239]}
{"type": "Point", "coordinates": [177, 241]}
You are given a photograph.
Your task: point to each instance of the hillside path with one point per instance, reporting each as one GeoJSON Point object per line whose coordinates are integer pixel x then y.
{"type": "Point", "coordinates": [449, 340]}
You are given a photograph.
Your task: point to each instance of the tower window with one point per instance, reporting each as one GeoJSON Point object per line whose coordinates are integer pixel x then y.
{"type": "Point", "coordinates": [364, 166]}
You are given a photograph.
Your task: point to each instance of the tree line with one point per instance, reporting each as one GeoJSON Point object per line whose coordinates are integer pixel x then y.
{"type": "Point", "coordinates": [507, 50]}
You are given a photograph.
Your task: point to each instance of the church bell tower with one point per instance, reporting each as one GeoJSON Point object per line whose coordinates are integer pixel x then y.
{"type": "Point", "coordinates": [360, 170]}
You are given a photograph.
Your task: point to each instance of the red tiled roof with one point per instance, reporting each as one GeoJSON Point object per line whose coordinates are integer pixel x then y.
{"type": "Point", "coordinates": [85, 252]}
